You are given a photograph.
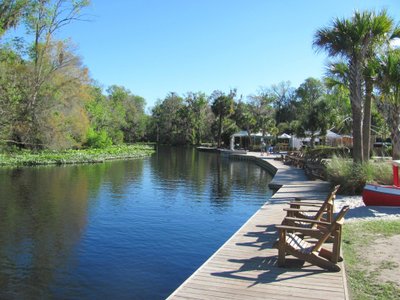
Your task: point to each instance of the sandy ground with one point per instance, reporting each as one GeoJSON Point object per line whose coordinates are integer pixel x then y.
{"type": "Point", "coordinates": [384, 255]}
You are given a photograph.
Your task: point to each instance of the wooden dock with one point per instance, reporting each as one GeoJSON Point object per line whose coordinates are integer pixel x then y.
{"type": "Point", "coordinates": [245, 267]}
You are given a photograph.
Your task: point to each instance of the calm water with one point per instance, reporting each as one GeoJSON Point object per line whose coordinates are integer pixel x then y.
{"type": "Point", "coordinates": [121, 230]}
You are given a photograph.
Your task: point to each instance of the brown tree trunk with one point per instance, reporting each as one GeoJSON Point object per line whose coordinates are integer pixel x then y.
{"type": "Point", "coordinates": [355, 80]}
{"type": "Point", "coordinates": [367, 119]}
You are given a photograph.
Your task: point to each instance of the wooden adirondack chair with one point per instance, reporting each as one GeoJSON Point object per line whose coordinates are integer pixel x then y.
{"type": "Point", "coordinates": [315, 253]}
{"type": "Point", "coordinates": [313, 210]}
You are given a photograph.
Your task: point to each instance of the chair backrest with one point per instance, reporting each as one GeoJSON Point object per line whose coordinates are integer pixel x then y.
{"type": "Point", "coordinates": [328, 204]}
{"type": "Point", "coordinates": [337, 222]}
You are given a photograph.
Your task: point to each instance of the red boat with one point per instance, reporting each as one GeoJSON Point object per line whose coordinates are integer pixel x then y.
{"type": "Point", "coordinates": [384, 195]}
{"type": "Point", "coordinates": [381, 195]}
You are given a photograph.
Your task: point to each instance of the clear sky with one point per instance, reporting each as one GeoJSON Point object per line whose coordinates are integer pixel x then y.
{"type": "Point", "coordinates": [155, 47]}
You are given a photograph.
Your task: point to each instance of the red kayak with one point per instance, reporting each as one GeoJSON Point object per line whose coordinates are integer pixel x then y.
{"type": "Point", "coordinates": [381, 195]}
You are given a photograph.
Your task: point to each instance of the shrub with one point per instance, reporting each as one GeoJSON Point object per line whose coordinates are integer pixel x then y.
{"type": "Point", "coordinates": [353, 177]}
{"type": "Point", "coordinates": [98, 139]}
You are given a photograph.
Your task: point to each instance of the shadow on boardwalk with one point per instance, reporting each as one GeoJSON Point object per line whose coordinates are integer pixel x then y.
{"type": "Point", "coordinates": [265, 266]}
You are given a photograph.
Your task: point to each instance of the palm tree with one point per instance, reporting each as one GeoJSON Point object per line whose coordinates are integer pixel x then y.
{"type": "Point", "coordinates": [389, 85]}
{"type": "Point", "coordinates": [354, 40]}
{"type": "Point", "coordinates": [222, 107]}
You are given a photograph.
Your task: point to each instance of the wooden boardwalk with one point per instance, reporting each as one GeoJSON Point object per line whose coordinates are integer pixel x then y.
{"type": "Point", "coordinates": [245, 267]}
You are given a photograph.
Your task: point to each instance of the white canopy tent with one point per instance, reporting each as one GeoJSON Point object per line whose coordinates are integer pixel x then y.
{"type": "Point", "coordinates": [244, 134]}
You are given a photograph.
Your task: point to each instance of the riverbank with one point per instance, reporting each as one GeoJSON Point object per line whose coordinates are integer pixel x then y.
{"type": "Point", "coordinates": [48, 157]}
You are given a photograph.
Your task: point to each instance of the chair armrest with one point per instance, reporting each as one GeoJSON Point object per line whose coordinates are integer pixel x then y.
{"type": "Point", "coordinates": [297, 229]}
{"type": "Point", "coordinates": [307, 199]}
{"type": "Point", "coordinates": [301, 203]}
{"type": "Point", "coordinates": [307, 221]}
{"type": "Point", "coordinates": [300, 210]}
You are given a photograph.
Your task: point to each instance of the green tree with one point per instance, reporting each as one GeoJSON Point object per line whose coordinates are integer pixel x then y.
{"type": "Point", "coordinates": [135, 118]}
{"type": "Point", "coordinates": [354, 40]}
{"type": "Point", "coordinates": [42, 102]}
{"type": "Point", "coordinates": [222, 107]}
{"type": "Point", "coordinates": [389, 85]}
{"type": "Point", "coordinates": [261, 107]}
{"type": "Point", "coordinates": [245, 119]}
{"type": "Point", "coordinates": [199, 117]}
{"type": "Point", "coordinates": [313, 110]}
{"type": "Point", "coordinates": [167, 120]}
{"type": "Point", "coordinates": [337, 84]}
{"type": "Point", "coordinates": [283, 95]}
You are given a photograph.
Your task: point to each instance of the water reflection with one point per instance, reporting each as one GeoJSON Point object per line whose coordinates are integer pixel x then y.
{"type": "Point", "coordinates": [124, 229]}
{"type": "Point", "coordinates": [200, 170]}
{"type": "Point", "coordinates": [43, 212]}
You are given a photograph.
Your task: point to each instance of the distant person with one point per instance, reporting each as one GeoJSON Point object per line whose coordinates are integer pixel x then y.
{"type": "Point", "coordinates": [262, 147]}
{"type": "Point", "coordinates": [267, 149]}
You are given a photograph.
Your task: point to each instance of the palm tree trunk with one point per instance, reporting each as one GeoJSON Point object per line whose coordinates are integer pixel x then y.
{"type": "Point", "coordinates": [355, 80]}
{"type": "Point", "coordinates": [367, 119]}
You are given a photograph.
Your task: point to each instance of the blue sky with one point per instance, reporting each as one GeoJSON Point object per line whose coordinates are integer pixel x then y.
{"type": "Point", "coordinates": [155, 47]}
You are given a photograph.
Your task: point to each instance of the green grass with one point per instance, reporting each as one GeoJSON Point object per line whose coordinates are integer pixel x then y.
{"type": "Point", "coordinates": [47, 157]}
{"type": "Point", "coordinates": [357, 238]}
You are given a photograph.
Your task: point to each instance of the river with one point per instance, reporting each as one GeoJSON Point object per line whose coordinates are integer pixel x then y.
{"type": "Point", "coordinates": [132, 229]}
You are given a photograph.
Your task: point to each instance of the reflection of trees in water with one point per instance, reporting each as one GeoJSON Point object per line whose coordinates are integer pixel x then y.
{"type": "Point", "coordinates": [202, 171]}
{"type": "Point", "coordinates": [173, 165]}
{"type": "Point", "coordinates": [233, 174]}
{"type": "Point", "coordinates": [43, 212]}
{"type": "Point", "coordinates": [41, 219]}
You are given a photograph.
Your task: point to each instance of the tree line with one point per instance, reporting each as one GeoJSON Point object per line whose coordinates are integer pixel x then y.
{"type": "Point", "coordinates": [48, 100]}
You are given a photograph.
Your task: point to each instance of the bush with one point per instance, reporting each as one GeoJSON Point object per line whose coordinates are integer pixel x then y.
{"type": "Point", "coordinates": [353, 177]}
{"type": "Point", "coordinates": [98, 139]}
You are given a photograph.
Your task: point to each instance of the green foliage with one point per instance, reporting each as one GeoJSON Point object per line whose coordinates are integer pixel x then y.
{"type": "Point", "coordinates": [261, 108]}
{"type": "Point", "coordinates": [245, 118]}
{"type": "Point", "coordinates": [314, 113]}
{"type": "Point", "coordinates": [357, 238]}
{"type": "Point", "coordinates": [222, 107]}
{"type": "Point", "coordinates": [11, 12]}
{"type": "Point", "coordinates": [357, 40]}
{"type": "Point", "coordinates": [177, 120]}
{"type": "Point", "coordinates": [98, 139]}
{"type": "Point", "coordinates": [198, 114]}
{"type": "Point", "coordinates": [352, 177]}
{"type": "Point", "coordinates": [46, 157]}
{"type": "Point", "coordinates": [283, 100]}
{"type": "Point", "coordinates": [389, 84]}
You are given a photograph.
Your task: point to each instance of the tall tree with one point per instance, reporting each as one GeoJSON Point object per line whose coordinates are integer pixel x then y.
{"type": "Point", "coordinates": [313, 116]}
{"type": "Point", "coordinates": [283, 95]}
{"type": "Point", "coordinates": [389, 84]}
{"type": "Point", "coordinates": [167, 120]}
{"type": "Point", "coordinates": [222, 106]}
{"type": "Point", "coordinates": [353, 39]}
{"type": "Point", "coordinates": [198, 114]}
{"type": "Point", "coordinates": [261, 107]}
{"type": "Point", "coordinates": [245, 119]}
{"type": "Point", "coordinates": [44, 19]}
